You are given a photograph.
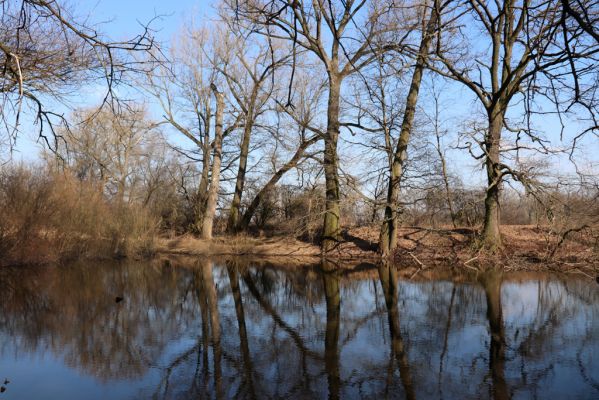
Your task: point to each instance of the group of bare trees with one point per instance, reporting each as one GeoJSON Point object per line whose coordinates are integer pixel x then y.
{"type": "Point", "coordinates": [278, 93]}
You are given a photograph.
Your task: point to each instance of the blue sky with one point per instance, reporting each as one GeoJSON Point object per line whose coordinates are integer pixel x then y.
{"type": "Point", "coordinates": [123, 19]}
{"type": "Point", "coordinates": [120, 19]}
{"type": "Point", "coordinates": [125, 15]}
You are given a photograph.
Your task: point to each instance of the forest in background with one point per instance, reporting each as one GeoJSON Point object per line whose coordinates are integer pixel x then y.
{"type": "Point", "coordinates": [301, 119]}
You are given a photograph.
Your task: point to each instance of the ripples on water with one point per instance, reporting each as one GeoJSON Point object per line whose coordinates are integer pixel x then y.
{"type": "Point", "coordinates": [206, 329]}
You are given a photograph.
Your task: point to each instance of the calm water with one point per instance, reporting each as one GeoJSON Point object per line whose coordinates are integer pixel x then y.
{"type": "Point", "coordinates": [232, 330]}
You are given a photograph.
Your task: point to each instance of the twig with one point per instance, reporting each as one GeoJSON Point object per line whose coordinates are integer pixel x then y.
{"type": "Point", "coordinates": [422, 266]}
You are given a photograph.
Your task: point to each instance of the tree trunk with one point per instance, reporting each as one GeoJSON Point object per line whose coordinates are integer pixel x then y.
{"type": "Point", "coordinates": [491, 238]}
{"type": "Point", "coordinates": [388, 235]}
{"type": "Point", "coordinates": [202, 194]}
{"type": "Point", "coordinates": [249, 213]}
{"type": "Point", "coordinates": [444, 169]}
{"type": "Point", "coordinates": [240, 182]}
{"type": "Point", "coordinates": [216, 161]}
{"type": "Point", "coordinates": [331, 229]}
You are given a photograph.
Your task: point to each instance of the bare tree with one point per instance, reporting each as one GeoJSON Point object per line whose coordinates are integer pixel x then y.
{"type": "Point", "coordinates": [440, 148]}
{"type": "Point", "coordinates": [248, 65]}
{"type": "Point", "coordinates": [108, 149]}
{"type": "Point", "coordinates": [329, 30]}
{"type": "Point", "coordinates": [47, 54]}
{"type": "Point", "coordinates": [182, 87]}
{"type": "Point", "coordinates": [389, 227]}
{"type": "Point", "coordinates": [525, 40]}
{"type": "Point", "coordinates": [207, 223]}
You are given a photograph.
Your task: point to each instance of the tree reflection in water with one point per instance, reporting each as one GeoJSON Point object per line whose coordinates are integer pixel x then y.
{"type": "Point", "coordinates": [235, 329]}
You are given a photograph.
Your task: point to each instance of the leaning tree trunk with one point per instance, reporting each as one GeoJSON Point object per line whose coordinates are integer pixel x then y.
{"type": "Point", "coordinates": [491, 238]}
{"type": "Point", "coordinates": [216, 162]}
{"type": "Point", "coordinates": [388, 235]}
{"type": "Point", "coordinates": [331, 229]}
{"type": "Point", "coordinates": [251, 210]}
{"type": "Point", "coordinates": [232, 223]}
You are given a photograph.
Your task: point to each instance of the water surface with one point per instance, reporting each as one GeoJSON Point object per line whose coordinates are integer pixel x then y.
{"type": "Point", "coordinates": [235, 329]}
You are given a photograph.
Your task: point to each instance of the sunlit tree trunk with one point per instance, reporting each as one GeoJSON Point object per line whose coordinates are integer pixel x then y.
{"type": "Point", "coordinates": [331, 229]}
{"type": "Point", "coordinates": [216, 162]}
{"type": "Point", "coordinates": [202, 194]}
{"type": "Point", "coordinates": [232, 223]}
{"type": "Point", "coordinates": [389, 227]}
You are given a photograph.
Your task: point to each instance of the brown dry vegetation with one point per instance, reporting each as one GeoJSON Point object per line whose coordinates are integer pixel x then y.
{"type": "Point", "coordinates": [526, 247]}
{"type": "Point", "coordinates": [53, 217]}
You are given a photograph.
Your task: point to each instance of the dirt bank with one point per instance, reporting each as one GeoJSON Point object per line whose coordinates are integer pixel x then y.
{"type": "Point", "coordinates": [524, 248]}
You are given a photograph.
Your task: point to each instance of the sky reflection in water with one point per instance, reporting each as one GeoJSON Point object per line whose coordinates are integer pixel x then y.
{"type": "Point", "coordinates": [205, 329]}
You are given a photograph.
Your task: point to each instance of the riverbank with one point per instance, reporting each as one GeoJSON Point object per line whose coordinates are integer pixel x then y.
{"type": "Point", "coordinates": [525, 247]}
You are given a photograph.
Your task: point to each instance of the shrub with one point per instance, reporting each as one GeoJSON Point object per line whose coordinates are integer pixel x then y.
{"type": "Point", "coordinates": [51, 217]}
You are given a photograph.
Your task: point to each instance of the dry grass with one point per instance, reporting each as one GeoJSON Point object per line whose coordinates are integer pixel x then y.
{"type": "Point", "coordinates": [53, 217]}
{"type": "Point", "coordinates": [239, 245]}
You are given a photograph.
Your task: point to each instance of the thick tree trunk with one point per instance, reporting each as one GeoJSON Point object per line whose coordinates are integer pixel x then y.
{"type": "Point", "coordinates": [331, 228]}
{"type": "Point", "coordinates": [388, 235]}
{"type": "Point", "coordinates": [251, 210]}
{"type": "Point", "coordinates": [232, 223]}
{"type": "Point", "coordinates": [491, 238]}
{"type": "Point", "coordinates": [216, 162]}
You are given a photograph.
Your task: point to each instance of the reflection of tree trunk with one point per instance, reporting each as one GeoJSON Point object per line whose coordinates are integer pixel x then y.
{"type": "Point", "coordinates": [210, 290]}
{"type": "Point", "coordinates": [243, 338]}
{"type": "Point", "coordinates": [446, 336]}
{"type": "Point", "coordinates": [331, 352]}
{"type": "Point", "coordinates": [203, 303]}
{"type": "Point", "coordinates": [491, 282]}
{"type": "Point", "coordinates": [269, 309]}
{"type": "Point", "coordinates": [388, 277]}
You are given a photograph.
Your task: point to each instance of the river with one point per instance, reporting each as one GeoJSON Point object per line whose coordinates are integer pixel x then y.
{"type": "Point", "coordinates": [240, 329]}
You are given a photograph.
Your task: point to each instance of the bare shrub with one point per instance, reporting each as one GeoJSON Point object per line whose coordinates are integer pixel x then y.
{"type": "Point", "coordinates": [54, 217]}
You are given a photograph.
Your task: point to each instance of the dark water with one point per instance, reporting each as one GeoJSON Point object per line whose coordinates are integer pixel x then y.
{"type": "Point", "coordinates": [228, 330]}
